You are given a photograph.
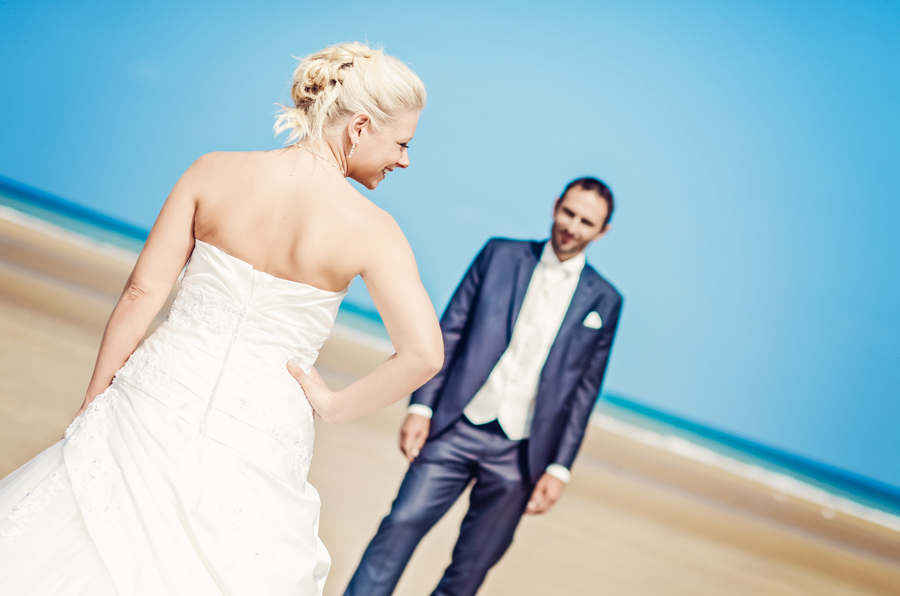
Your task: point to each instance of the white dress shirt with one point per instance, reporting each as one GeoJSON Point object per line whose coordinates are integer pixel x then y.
{"type": "Point", "coordinates": [509, 393]}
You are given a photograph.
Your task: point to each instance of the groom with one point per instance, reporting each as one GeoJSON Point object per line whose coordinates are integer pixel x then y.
{"type": "Point", "coordinates": [527, 337]}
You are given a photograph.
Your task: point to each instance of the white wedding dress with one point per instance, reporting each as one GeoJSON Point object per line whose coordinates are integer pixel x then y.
{"type": "Point", "coordinates": [188, 475]}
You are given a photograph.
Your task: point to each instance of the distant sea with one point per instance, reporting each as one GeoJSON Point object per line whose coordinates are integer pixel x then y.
{"type": "Point", "coordinates": [786, 474]}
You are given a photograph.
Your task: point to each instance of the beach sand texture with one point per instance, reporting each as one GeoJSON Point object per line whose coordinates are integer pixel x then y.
{"type": "Point", "coordinates": [635, 520]}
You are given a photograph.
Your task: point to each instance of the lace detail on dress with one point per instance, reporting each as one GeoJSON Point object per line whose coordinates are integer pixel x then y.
{"type": "Point", "coordinates": [290, 422]}
{"type": "Point", "coordinates": [280, 421]}
{"type": "Point", "coordinates": [281, 424]}
{"type": "Point", "coordinates": [149, 371]}
{"type": "Point", "coordinates": [194, 303]}
{"type": "Point", "coordinates": [299, 452]}
{"type": "Point", "coordinates": [94, 477]}
{"type": "Point", "coordinates": [143, 365]}
{"type": "Point", "coordinates": [32, 505]}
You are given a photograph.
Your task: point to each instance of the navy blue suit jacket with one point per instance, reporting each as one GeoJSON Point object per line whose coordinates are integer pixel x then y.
{"type": "Point", "coordinates": [477, 327]}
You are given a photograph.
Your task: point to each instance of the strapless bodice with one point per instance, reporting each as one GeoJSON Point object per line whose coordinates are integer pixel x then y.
{"type": "Point", "coordinates": [220, 359]}
{"type": "Point", "coordinates": [236, 301]}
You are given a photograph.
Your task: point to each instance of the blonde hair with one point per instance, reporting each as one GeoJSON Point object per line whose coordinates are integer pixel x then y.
{"type": "Point", "coordinates": [344, 79]}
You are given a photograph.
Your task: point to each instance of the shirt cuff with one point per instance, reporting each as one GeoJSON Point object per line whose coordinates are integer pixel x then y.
{"type": "Point", "coordinates": [420, 410]}
{"type": "Point", "coordinates": [558, 471]}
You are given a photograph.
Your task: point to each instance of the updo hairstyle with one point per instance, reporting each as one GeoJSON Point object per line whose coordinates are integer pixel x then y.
{"type": "Point", "coordinates": [345, 79]}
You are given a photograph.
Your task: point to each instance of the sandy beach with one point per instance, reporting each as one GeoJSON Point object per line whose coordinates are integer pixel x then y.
{"type": "Point", "coordinates": [635, 519]}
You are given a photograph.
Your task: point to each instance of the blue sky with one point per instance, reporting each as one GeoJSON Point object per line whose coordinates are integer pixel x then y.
{"type": "Point", "coordinates": [753, 150]}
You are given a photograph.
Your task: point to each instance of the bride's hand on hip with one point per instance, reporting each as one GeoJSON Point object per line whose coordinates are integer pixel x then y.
{"type": "Point", "coordinates": [317, 392]}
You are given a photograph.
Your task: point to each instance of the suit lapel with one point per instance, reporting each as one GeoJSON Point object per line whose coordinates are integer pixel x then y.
{"type": "Point", "coordinates": [550, 386]}
{"type": "Point", "coordinates": [581, 304]}
{"type": "Point", "coordinates": [531, 256]}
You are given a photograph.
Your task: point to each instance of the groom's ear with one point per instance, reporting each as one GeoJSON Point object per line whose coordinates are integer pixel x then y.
{"type": "Point", "coordinates": [601, 233]}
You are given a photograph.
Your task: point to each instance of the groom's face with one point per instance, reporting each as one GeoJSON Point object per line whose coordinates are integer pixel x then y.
{"type": "Point", "coordinates": [578, 218]}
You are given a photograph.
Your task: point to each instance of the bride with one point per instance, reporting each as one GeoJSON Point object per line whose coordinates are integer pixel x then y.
{"type": "Point", "coordinates": [185, 471]}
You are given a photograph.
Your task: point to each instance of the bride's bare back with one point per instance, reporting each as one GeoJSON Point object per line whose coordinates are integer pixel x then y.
{"type": "Point", "coordinates": [290, 215]}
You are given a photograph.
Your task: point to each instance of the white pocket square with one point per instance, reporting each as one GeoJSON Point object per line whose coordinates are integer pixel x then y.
{"type": "Point", "coordinates": [593, 320]}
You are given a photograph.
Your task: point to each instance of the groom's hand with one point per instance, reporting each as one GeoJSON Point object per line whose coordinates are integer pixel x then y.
{"type": "Point", "coordinates": [413, 434]}
{"type": "Point", "coordinates": [547, 492]}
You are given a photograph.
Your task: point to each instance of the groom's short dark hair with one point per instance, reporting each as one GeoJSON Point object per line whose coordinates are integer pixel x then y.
{"type": "Point", "coordinates": [598, 187]}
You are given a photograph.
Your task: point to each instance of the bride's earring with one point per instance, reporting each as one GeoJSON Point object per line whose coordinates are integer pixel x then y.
{"type": "Point", "coordinates": [352, 149]}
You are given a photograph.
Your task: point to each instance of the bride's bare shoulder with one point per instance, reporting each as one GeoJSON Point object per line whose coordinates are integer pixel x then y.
{"type": "Point", "coordinates": [218, 162]}
{"type": "Point", "coordinates": [214, 175]}
{"type": "Point", "coordinates": [376, 233]}
{"type": "Point", "coordinates": [207, 168]}
{"type": "Point", "coordinates": [369, 219]}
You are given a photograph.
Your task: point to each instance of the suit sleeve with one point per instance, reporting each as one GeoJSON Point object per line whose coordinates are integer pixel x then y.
{"type": "Point", "coordinates": [586, 394]}
{"type": "Point", "coordinates": [454, 323]}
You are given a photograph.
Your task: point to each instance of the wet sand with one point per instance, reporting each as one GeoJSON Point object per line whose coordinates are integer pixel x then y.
{"type": "Point", "coordinates": [634, 520]}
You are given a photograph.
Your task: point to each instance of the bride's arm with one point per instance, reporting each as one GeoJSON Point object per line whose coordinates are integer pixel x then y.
{"type": "Point", "coordinates": [163, 257]}
{"type": "Point", "coordinates": [392, 279]}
